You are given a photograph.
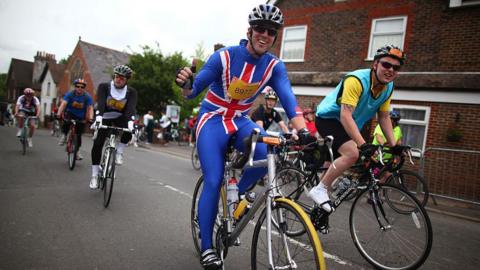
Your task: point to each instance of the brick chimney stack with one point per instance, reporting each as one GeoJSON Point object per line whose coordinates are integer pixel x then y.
{"type": "Point", "coordinates": [41, 59]}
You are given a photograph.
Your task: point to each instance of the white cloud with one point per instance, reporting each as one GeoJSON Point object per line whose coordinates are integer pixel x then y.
{"type": "Point", "coordinates": [54, 26]}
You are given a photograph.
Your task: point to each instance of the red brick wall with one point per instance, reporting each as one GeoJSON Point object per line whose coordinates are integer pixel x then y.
{"type": "Point", "coordinates": [64, 85]}
{"type": "Point", "coordinates": [437, 38]}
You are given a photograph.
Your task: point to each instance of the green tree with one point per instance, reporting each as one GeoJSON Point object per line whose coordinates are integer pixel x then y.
{"type": "Point", "coordinates": [3, 86]}
{"type": "Point", "coordinates": [153, 77]}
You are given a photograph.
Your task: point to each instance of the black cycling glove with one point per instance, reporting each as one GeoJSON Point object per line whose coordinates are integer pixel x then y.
{"type": "Point", "coordinates": [397, 150]}
{"type": "Point", "coordinates": [305, 137]}
{"type": "Point", "coordinates": [367, 149]}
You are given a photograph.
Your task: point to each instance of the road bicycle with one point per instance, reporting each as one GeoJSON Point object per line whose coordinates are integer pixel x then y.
{"type": "Point", "coordinates": [72, 143]}
{"type": "Point", "coordinates": [106, 174]}
{"type": "Point", "coordinates": [25, 132]}
{"type": "Point", "coordinates": [388, 225]}
{"type": "Point", "coordinates": [194, 158]}
{"type": "Point", "coordinates": [272, 247]}
{"type": "Point", "coordinates": [176, 135]}
{"type": "Point", "coordinates": [55, 128]}
{"type": "Point", "coordinates": [406, 179]}
{"type": "Point", "coordinates": [139, 135]}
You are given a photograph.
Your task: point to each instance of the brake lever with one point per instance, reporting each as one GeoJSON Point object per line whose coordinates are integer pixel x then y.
{"type": "Point", "coordinates": [380, 154]}
{"type": "Point", "coordinates": [409, 153]}
{"type": "Point", "coordinates": [329, 143]}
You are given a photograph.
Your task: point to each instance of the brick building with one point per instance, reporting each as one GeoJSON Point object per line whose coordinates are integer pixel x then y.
{"type": "Point", "coordinates": [93, 63]}
{"type": "Point", "coordinates": [437, 91]}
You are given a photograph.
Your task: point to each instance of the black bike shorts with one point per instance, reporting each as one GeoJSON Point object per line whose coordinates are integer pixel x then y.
{"type": "Point", "coordinates": [333, 127]}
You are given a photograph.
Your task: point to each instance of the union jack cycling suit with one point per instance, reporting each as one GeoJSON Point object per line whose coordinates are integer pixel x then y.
{"type": "Point", "coordinates": [235, 79]}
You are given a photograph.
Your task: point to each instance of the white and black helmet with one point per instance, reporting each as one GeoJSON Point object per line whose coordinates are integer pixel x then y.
{"type": "Point", "coordinates": [265, 14]}
{"type": "Point", "coordinates": [123, 70]}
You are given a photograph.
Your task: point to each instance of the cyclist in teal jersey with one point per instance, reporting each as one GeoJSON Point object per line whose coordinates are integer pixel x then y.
{"type": "Point", "coordinates": [342, 114]}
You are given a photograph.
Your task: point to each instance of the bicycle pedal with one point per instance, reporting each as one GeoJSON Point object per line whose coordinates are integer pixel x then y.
{"type": "Point", "coordinates": [237, 242]}
{"type": "Point", "coordinates": [324, 231]}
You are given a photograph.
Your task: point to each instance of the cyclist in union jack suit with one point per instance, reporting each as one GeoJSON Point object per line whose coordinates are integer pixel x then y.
{"type": "Point", "coordinates": [235, 76]}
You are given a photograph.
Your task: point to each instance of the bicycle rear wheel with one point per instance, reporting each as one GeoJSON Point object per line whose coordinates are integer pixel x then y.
{"type": "Point", "coordinates": [304, 252]}
{"type": "Point", "coordinates": [109, 176]}
{"type": "Point", "coordinates": [195, 159]}
{"type": "Point", "coordinates": [385, 237]}
{"type": "Point", "coordinates": [72, 150]}
{"type": "Point", "coordinates": [411, 182]}
{"type": "Point", "coordinates": [222, 208]}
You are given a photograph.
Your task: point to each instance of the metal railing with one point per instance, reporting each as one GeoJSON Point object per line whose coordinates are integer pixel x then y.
{"type": "Point", "coordinates": [452, 173]}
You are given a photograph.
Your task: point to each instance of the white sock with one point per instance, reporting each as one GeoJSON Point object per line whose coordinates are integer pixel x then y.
{"type": "Point", "coordinates": [322, 185]}
{"type": "Point", "coordinates": [120, 148]}
{"type": "Point", "coordinates": [95, 170]}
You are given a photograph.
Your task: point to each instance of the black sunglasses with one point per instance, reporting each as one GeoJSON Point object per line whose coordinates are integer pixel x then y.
{"type": "Point", "coordinates": [388, 65]}
{"type": "Point", "coordinates": [261, 30]}
{"type": "Point", "coordinates": [80, 86]}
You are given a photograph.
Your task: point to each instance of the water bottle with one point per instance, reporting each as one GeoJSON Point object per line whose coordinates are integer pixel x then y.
{"type": "Point", "coordinates": [343, 183]}
{"type": "Point", "coordinates": [244, 205]}
{"type": "Point", "coordinates": [232, 195]}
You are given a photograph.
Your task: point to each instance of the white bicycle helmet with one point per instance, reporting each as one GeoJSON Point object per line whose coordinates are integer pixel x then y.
{"type": "Point", "coordinates": [265, 14]}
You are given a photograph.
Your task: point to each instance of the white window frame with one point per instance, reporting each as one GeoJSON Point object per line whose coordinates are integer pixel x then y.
{"type": "Point", "coordinates": [462, 3]}
{"type": "Point", "coordinates": [285, 29]}
{"type": "Point", "coordinates": [371, 52]}
{"type": "Point", "coordinates": [424, 123]}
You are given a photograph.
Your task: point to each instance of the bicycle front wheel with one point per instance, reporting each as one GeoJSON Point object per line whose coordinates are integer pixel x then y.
{"type": "Point", "coordinates": [388, 238]}
{"type": "Point", "coordinates": [195, 160]}
{"type": "Point", "coordinates": [288, 252]}
{"type": "Point", "coordinates": [72, 150]}
{"type": "Point", "coordinates": [411, 182]}
{"type": "Point", "coordinates": [109, 176]}
{"type": "Point", "coordinates": [195, 226]}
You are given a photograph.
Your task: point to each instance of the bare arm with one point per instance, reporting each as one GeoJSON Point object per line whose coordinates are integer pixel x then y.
{"type": "Point", "coordinates": [380, 139]}
{"type": "Point", "coordinates": [37, 110]}
{"type": "Point", "coordinates": [259, 123]}
{"type": "Point", "coordinates": [89, 113]}
{"type": "Point", "coordinates": [298, 122]}
{"type": "Point", "coordinates": [17, 107]}
{"type": "Point", "coordinates": [63, 104]}
{"type": "Point", "coordinates": [283, 127]}
{"type": "Point", "coordinates": [386, 125]}
{"type": "Point", "coordinates": [349, 124]}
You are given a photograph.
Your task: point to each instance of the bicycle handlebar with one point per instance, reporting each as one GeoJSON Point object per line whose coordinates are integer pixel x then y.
{"type": "Point", "coordinates": [278, 141]}
{"type": "Point", "coordinates": [96, 128]}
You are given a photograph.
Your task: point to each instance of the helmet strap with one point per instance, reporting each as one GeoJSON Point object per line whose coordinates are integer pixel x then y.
{"type": "Point", "coordinates": [376, 76]}
{"type": "Point", "coordinates": [250, 34]}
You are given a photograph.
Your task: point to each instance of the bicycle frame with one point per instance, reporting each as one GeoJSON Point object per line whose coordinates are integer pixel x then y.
{"type": "Point", "coordinates": [267, 194]}
{"type": "Point", "coordinates": [26, 131]}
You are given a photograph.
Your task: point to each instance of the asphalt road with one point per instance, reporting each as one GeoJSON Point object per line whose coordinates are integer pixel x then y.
{"type": "Point", "coordinates": [50, 219]}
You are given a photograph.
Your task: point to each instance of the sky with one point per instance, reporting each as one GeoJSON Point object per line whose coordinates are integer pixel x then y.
{"type": "Point", "coordinates": [54, 26]}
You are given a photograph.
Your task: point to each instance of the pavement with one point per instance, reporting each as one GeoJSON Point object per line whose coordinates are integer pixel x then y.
{"type": "Point", "coordinates": [453, 208]}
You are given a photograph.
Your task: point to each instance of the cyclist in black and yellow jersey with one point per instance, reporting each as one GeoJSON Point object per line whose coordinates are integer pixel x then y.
{"type": "Point", "coordinates": [116, 105]}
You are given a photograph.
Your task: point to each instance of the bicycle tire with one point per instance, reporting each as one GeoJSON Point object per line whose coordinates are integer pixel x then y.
{"type": "Point", "coordinates": [405, 237]}
{"type": "Point", "coordinates": [23, 140]}
{"type": "Point", "coordinates": [194, 158]}
{"type": "Point", "coordinates": [412, 182]}
{"type": "Point", "coordinates": [300, 248]}
{"type": "Point", "coordinates": [195, 227]}
{"type": "Point", "coordinates": [109, 177]}
{"type": "Point", "coordinates": [71, 150]}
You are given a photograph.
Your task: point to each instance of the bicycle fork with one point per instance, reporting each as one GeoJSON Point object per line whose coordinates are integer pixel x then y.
{"type": "Point", "coordinates": [378, 207]}
{"type": "Point", "coordinates": [281, 220]}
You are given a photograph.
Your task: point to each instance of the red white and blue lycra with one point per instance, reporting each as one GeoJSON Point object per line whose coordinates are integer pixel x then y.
{"type": "Point", "coordinates": [221, 117]}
